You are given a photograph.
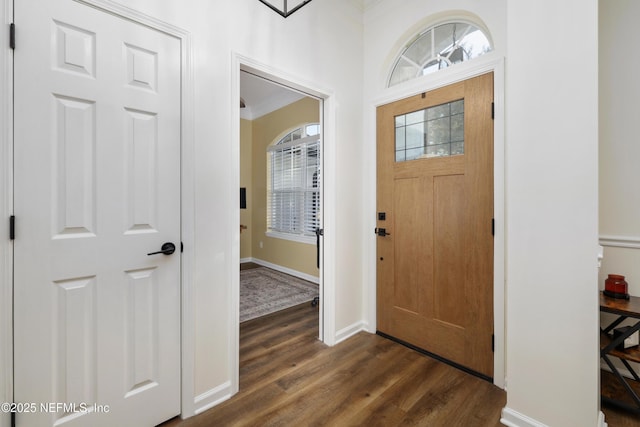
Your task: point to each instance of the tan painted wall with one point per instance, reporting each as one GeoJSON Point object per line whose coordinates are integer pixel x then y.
{"type": "Point", "coordinates": [246, 137]}
{"type": "Point", "coordinates": [296, 256]}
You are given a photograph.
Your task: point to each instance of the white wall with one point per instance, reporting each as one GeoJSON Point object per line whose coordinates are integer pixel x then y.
{"type": "Point", "coordinates": [320, 44]}
{"type": "Point", "coordinates": [551, 190]}
{"type": "Point", "coordinates": [552, 206]}
{"type": "Point", "coordinates": [551, 147]}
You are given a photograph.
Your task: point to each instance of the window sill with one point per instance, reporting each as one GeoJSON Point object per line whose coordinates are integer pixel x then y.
{"type": "Point", "coordinates": [291, 237]}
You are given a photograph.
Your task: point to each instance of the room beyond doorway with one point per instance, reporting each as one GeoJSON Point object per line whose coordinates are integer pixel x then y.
{"type": "Point", "coordinates": [280, 177]}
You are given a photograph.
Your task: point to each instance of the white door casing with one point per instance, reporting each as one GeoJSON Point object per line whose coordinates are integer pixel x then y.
{"type": "Point", "coordinates": [96, 188]}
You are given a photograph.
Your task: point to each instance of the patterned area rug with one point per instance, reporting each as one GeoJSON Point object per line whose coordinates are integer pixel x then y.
{"type": "Point", "coordinates": [264, 291]}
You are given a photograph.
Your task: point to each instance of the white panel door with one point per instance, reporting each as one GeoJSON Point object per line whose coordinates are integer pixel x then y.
{"type": "Point", "coordinates": [97, 188]}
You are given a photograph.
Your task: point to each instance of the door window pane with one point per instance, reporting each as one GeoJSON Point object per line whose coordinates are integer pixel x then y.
{"type": "Point", "coordinates": [436, 131]}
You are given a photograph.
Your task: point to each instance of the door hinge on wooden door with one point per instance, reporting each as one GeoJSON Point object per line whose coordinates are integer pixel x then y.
{"type": "Point", "coordinates": [493, 226]}
{"type": "Point", "coordinates": [493, 343]}
{"type": "Point", "coordinates": [493, 110]}
{"type": "Point", "coordinates": [12, 227]}
{"type": "Point", "coordinates": [12, 36]}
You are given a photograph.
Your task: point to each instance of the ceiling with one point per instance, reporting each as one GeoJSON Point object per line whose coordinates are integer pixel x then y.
{"type": "Point", "coordinates": [262, 96]}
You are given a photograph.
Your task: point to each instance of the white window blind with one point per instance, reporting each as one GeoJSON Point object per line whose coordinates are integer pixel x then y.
{"type": "Point", "coordinates": [293, 190]}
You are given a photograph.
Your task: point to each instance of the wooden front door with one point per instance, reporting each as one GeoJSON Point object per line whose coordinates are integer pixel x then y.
{"type": "Point", "coordinates": [434, 218]}
{"type": "Point", "coordinates": [97, 188]}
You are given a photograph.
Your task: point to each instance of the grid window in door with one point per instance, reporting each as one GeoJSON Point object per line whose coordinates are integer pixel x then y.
{"type": "Point", "coordinates": [432, 132]}
{"type": "Point", "coordinates": [293, 189]}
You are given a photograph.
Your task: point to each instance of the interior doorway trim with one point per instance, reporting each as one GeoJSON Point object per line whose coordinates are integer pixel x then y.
{"type": "Point", "coordinates": [482, 65]}
{"type": "Point", "coordinates": [327, 272]}
{"type": "Point", "coordinates": [187, 196]}
{"type": "Point", "coordinates": [6, 210]}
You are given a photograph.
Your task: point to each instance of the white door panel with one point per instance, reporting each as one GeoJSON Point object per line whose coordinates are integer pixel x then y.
{"type": "Point", "coordinates": [97, 187]}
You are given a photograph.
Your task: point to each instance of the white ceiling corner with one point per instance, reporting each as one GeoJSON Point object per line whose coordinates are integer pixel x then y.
{"type": "Point", "coordinates": [262, 96]}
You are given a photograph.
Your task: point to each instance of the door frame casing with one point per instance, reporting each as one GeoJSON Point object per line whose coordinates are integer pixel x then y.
{"type": "Point", "coordinates": [240, 62]}
{"type": "Point", "coordinates": [461, 72]}
{"type": "Point", "coordinates": [187, 187]}
{"type": "Point", "coordinates": [6, 209]}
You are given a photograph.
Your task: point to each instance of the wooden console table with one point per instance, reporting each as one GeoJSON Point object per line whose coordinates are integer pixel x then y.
{"type": "Point", "coordinates": [627, 387]}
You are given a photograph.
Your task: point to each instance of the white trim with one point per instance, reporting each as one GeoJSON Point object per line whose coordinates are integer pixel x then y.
{"type": "Point", "coordinates": [233, 345]}
{"type": "Point", "coordinates": [211, 398]}
{"type": "Point", "coordinates": [512, 418]}
{"type": "Point", "coordinates": [240, 63]}
{"type": "Point", "coordinates": [601, 421]}
{"type": "Point", "coordinates": [346, 333]}
{"type": "Point", "coordinates": [188, 202]}
{"type": "Point", "coordinates": [484, 64]}
{"type": "Point", "coordinates": [462, 71]}
{"type": "Point", "coordinates": [6, 209]}
{"type": "Point", "coordinates": [289, 271]}
{"type": "Point", "coordinates": [500, 237]}
{"type": "Point", "coordinates": [614, 241]}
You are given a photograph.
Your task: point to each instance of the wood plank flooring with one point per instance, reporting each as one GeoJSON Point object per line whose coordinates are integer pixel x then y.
{"type": "Point", "coordinates": [289, 378]}
{"type": "Point", "coordinates": [615, 416]}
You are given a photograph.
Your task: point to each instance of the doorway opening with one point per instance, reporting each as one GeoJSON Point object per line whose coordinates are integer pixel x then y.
{"type": "Point", "coordinates": [281, 206]}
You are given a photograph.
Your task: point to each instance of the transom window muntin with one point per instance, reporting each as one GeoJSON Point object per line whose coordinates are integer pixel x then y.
{"type": "Point", "coordinates": [439, 47]}
{"type": "Point", "coordinates": [436, 131]}
{"type": "Point", "coordinates": [293, 184]}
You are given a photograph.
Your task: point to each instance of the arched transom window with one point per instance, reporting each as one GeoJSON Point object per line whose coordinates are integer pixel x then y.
{"type": "Point", "coordinates": [439, 47]}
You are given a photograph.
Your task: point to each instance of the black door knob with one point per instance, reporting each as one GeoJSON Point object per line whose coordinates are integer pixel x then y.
{"type": "Point", "coordinates": [166, 248]}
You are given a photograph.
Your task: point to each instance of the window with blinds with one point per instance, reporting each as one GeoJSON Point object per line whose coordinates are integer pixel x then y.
{"type": "Point", "coordinates": [293, 185]}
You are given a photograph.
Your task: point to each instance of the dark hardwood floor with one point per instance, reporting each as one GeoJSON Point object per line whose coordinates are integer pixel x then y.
{"type": "Point", "coordinates": [289, 378]}
{"type": "Point", "coordinates": [615, 416]}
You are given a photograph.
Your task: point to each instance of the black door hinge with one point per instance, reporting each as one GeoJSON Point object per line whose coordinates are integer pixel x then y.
{"type": "Point", "coordinates": [12, 36]}
{"type": "Point", "coordinates": [493, 110]}
{"type": "Point", "coordinates": [181, 247]}
{"type": "Point", "coordinates": [13, 419]}
{"type": "Point", "coordinates": [12, 227]}
{"type": "Point", "coordinates": [493, 343]}
{"type": "Point", "coordinates": [493, 226]}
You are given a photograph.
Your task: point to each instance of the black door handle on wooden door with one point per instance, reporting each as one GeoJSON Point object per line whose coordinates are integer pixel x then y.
{"type": "Point", "coordinates": [381, 232]}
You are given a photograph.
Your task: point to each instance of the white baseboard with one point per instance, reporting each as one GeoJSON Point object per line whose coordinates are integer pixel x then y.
{"type": "Point", "coordinates": [350, 331]}
{"type": "Point", "coordinates": [282, 269]}
{"type": "Point", "coordinates": [512, 418]}
{"type": "Point", "coordinates": [601, 421]}
{"type": "Point", "coordinates": [213, 397]}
